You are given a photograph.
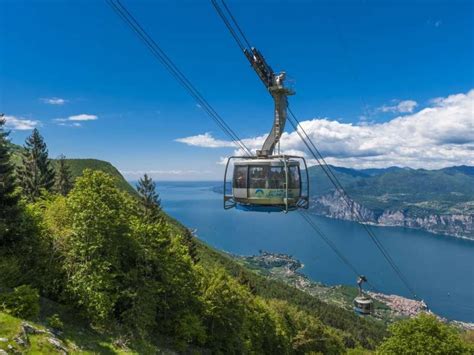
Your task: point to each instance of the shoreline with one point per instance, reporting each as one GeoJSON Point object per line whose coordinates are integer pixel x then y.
{"type": "Point", "coordinates": [286, 268]}
{"type": "Point", "coordinates": [383, 225]}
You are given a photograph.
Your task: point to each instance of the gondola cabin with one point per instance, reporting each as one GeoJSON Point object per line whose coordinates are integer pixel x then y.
{"type": "Point", "coordinates": [271, 184]}
{"type": "Point", "coordinates": [363, 305]}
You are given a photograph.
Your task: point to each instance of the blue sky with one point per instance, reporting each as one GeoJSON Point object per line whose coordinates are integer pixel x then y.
{"type": "Point", "coordinates": [364, 71]}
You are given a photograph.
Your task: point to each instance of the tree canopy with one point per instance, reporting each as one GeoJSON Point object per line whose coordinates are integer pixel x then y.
{"type": "Point", "coordinates": [424, 334]}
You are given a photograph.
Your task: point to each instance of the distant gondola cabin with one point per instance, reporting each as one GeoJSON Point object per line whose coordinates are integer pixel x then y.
{"type": "Point", "coordinates": [363, 305]}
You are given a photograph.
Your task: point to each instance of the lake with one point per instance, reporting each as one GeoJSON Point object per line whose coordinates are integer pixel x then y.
{"type": "Point", "coordinates": [439, 268]}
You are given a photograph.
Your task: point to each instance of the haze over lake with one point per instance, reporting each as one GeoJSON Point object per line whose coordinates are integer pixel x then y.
{"type": "Point", "coordinates": [440, 268]}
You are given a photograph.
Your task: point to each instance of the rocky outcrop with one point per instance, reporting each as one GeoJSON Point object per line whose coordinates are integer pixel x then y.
{"type": "Point", "coordinates": [458, 225]}
{"type": "Point", "coordinates": [334, 206]}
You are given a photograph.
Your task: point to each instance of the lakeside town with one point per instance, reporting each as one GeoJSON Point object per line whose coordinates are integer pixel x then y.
{"type": "Point", "coordinates": [286, 268]}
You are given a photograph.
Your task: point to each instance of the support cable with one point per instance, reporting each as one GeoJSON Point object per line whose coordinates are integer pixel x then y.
{"type": "Point", "coordinates": [159, 54]}
{"type": "Point", "coordinates": [307, 217]}
{"type": "Point", "coordinates": [228, 25]}
{"type": "Point", "coordinates": [236, 23]}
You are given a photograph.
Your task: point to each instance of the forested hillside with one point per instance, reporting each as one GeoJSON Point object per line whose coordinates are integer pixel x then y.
{"type": "Point", "coordinates": [95, 268]}
{"type": "Point", "coordinates": [440, 201]}
{"type": "Point", "coordinates": [395, 188]}
{"type": "Point", "coordinates": [77, 166]}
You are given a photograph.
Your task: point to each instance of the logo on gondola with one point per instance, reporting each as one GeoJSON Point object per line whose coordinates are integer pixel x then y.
{"type": "Point", "coordinates": [259, 193]}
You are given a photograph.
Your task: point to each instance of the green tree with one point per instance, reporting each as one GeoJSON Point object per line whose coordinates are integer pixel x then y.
{"type": "Point", "coordinates": [97, 247]}
{"type": "Point", "coordinates": [121, 266]}
{"type": "Point", "coordinates": [424, 334]}
{"type": "Point", "coordinates": [63, 176]}
{"type": "Point", "coordinates": [9, 209]}
{"type": "Point", "coordinates": [190, 242]}
{"type": "Point", "coordinates": [20, 243]}
{"type": "Point", "coordinates": [264, 330]}
{"type": "Point", "coordinates": [36, 172]}
{"type": "Point", "coordinates": [225, 303]}
{"type": "Point", "coordinates": [164, 288]}
{"type": "Point", "coordinates": [150, 199]}
{"type": "Point", "coordinates": [306, 334]}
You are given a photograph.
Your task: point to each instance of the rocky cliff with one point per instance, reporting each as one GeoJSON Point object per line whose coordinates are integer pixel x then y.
{"type": "Point", "coordinates": [456, 224]}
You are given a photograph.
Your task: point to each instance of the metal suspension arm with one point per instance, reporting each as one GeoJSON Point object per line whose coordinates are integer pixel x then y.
{"type": "Point", "coordinates": [360, 280]}
{"type": "Point", "coordinates": [263, 70]}
{"type": "Point", "coordinates": [276, 87]}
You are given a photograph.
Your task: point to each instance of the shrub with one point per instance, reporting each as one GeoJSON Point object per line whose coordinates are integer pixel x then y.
{"type": "Point", "coordinates": [23, 302]}
{"type": "Point", "coordinates": [55, 322]}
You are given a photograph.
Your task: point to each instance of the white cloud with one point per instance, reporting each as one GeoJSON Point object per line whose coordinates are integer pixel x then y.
{"type": "Point", "coordinates": [74, 124]}
{"type": "Point", "coordinates": [406, 106]}
{"type": "Point", "coordinates": [83, 117]}
{"type": "Point", "coordinates": [20, 123]}
{"type": "Point", "coordinates": [205, 140]}
{"type": "Point", "coordinates": [54, 101]}
{"type": "Point", "coordinates": [434, 137]}
{"type": "Point", "coordinates": [76, 119]}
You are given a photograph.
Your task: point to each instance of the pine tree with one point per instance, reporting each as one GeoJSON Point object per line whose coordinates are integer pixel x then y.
{"type": "Point", "coordinates": [36, 172]}
{"type": "Point", "coordinates": [63, 176]}
{"type": "Point", "coordinates": [190, 243]}
{"type": "Point", "coordinates": [150, 199]}
{"type": "Point", "coordinates": [9, 210]}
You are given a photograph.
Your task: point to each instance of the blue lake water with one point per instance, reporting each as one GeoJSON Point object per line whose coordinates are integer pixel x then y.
{"type": "Point", "coordinates": [439, 268]}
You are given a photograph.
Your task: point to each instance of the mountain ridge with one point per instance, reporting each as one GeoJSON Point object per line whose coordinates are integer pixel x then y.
{"type": "Point", "coordinates": [439, 201]}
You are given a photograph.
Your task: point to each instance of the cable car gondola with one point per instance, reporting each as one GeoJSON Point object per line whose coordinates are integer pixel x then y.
{"type": "Point", "coordinates": [363, 304]}
{"type": "Point", "coordinates": [270, 184]}
{"type": "Point", "coordinates": [267, 182]}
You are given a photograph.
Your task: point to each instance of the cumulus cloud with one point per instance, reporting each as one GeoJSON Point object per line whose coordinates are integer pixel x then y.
{"type": "Point", "coordinates": [406, 106]}
{"type": "Point", "coordinates": [19, 123]}
{"type": "Point", "coordinates": [436, 136]}
{"type": "Point", "coordinates": [205, 140]}
{"type": "Point", "coordinates": [54, 101]}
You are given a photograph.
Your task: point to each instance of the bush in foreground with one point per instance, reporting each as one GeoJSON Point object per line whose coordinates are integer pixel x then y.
{"type": "Point", "coordinates": [22, 302]}
{"type": "Point", "coordinates": [424, 334]}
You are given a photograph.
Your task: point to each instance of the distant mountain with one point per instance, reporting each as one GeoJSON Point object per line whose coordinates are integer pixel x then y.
{"type": "Point", "coordinates": [461, 169]}
{"type": "Point", "coordinates": [440, 201]}
{"type": "Point", "coordinates": [380, 171]}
